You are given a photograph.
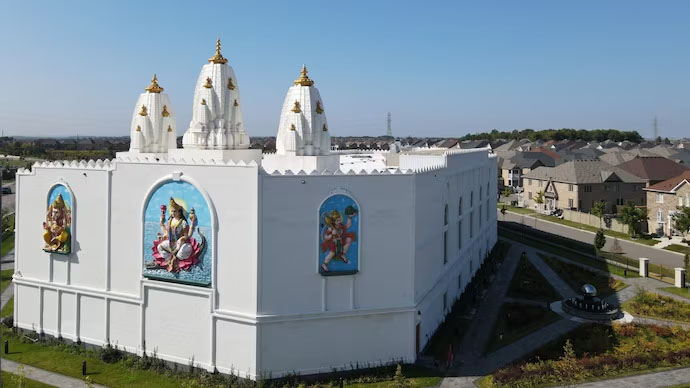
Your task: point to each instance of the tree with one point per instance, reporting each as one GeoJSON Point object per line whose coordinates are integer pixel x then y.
{"type": "Point", "coordinates": [399, 380]}
{"type": "Point", "coordinates": [507, 192]}
{"type": "Point", "coordinates": [598, 210]}
{"type": "Point", "coordinates": [539, 198]}
{"type": "Point", "coordinates": [599, 241]}
{"type": "Point", "coordinates": [682, 219]}
{"type": "Point", "coordinates": [632, 216]}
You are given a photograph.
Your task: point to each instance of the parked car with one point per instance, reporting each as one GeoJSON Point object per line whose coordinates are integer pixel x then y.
{"type": "Point", "coordinates": [7, 190]}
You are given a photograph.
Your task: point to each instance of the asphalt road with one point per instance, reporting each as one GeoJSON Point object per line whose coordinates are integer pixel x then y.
{"type": "Point", "coordinates": [8, 199]}
{"type": "Point", "coordinates": [655, 255]}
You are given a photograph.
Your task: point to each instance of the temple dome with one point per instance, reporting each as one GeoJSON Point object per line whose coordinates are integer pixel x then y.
{"type": "Point", "coordinates": [153, 128]}
{"type": "Point", "coordinates": [216, 114]}
{"type": "Point", "coordinates": [303, 121]}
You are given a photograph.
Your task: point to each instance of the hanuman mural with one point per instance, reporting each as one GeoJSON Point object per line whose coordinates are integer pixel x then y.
{"type": "Point", "coordinates": [58, 223]}
{"type": "Point", "coordinates": [339, 228]}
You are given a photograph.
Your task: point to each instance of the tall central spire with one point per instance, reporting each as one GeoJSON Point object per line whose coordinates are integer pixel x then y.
{"type": "Point", "coordinates": [303, 78]}
{"type": "Point", "coordinates": [218, 57]}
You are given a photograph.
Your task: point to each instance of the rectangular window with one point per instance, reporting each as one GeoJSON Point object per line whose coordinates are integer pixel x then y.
{"type": "Point", "coordinates": [680, 201]}
{"type": "Point", "coordinates": [570, 187]}
{"type": "Point", "coordinates": [471, 224]}
{"type": "Point", "coordinates": [659, 198]}
{"type": "Point", "coordinates": [659, 216]}
{"type": "Point", "coordinates": [445, 247]}
{"type": "Point", "coordinates": [570, 203]}
{"type": "Point", "coordinates": [459, 281]}
{"type": "Point", "coordinates": [459, 234]}
{"type": "Point", "coordinates": [529, 181]}
{"type": "Point", "coordinates": [588, 189]}
{"type": "Point", "coordinates": [618, 187]}
{"type": "Point", "coordinates": [541, 183]}
{"type": "Point", "coordinates": [460, 206]}
{"type": "Point", "coordinates": [471, 198]}
{"type": "Point", "coordinates": [687, 200]}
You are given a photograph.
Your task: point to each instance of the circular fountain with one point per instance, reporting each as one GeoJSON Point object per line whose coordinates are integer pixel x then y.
{"type": "Point", "coordinates": [590, 306]}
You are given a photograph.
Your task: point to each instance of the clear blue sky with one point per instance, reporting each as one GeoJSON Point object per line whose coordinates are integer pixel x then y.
{"type": "Point", "coordinates": [441, 68]}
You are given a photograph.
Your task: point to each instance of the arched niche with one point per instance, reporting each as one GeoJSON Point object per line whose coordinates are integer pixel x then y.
{"type": "Point", "coordinates": [339, 236]}
{"type": "Point", "coordinates": [58, 230]}
{"type": "Point", "coordinates": [178, 233]}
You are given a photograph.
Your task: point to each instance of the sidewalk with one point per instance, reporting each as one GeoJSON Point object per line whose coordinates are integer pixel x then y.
{"type": "Point", "coordinates": [45, 376]}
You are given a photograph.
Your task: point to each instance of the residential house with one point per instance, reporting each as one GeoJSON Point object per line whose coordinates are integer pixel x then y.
{"type": "Point", "coordinates": [663, 200]}
{"type": "Point", "coordinates": [578, 184]}
{"type": "Point", "coordinates": [653, 169]}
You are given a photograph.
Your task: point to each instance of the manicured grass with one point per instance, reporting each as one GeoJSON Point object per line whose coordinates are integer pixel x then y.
{"type": "Point", "coordinates": [8, 309]}
{"type": "Point", "coordinates": [7, 244]}
{"type": "Point", "coordinates": [684, 292]}
{"type": "Point", "coordinates": [8, 381]}
{"type": "Point", "coordinates": [653, 305]}
{"type": "Point", "coordinates": [5, 278]}
{"type": "Point", "coordinates": [529, 283]}
{"type": "Point", "coordinates": [598, 352]}
{"type": "Point", "coordinates": [516, 321]}
{"type": "Point", "coordinates": [515, 209]}
{"type": "Point", "coordinates": [568, 254]}
{"type": "Point", "coordinates": [576, 276]}
{"type": "Point", "coordinates": [678, 248]}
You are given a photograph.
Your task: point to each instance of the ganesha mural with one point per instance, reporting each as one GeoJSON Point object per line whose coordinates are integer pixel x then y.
{"type": "Point", "coordinates": [338, 236]}
{"type": "Point", "coordinates": [177, 235]}
{"type": "Point", "coordinates": [57, 227]}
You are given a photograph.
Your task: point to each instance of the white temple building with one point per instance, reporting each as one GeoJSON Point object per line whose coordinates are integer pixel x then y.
{"type": "Point", "coordinates": [306, 260]}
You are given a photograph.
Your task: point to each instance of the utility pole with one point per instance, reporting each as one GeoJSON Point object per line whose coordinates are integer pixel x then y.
{"type": "Point", "coordinates": [656, 127]}
{"type": "Point", "coordinates": [389, 131]}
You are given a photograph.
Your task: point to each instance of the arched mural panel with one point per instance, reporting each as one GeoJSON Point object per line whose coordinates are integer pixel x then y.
{"type": "Point", "coordinates": [57, 227]}
{"type": "Point", "coordinates": [178, 235]}
{"type": "Point", "coordinates": [338, 236]}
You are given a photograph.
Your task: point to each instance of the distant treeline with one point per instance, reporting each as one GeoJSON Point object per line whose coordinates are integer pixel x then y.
{"type": "Point", "coordinates": [559, 134]}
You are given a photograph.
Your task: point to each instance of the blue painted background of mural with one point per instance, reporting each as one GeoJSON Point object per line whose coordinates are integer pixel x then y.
{"type": "Point", "coordinates": [343, 204]}
{"type": "Point", "coordinates": [57, 190]}
{"type": "Point", "coordinates": [199, 274]}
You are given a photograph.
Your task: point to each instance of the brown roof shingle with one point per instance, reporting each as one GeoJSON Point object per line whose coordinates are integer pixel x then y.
{"type": "Point", "coordinates": [669, 184]}
{"type": "Point", "coordinates": [653, 168]}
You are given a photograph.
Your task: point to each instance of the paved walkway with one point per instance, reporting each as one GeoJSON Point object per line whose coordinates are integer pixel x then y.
{"type": "Point", "coordinates": [45, 376]}
{"type": "Point", "coordinates": [666, 258]}
{"type": "Point", "coordinates": [550, 275]}
{"type": "Point", "coordinates": [650, 380]}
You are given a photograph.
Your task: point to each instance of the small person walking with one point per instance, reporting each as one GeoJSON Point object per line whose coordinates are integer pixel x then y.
{"type": "Point", "coordinates": [449, 357]}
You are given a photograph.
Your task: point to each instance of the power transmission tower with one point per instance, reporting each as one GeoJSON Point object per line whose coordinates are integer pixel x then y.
{"type": "Point", "coordinates": [656, 127]}
{"type": "Point", "coordinates": [389, 131]}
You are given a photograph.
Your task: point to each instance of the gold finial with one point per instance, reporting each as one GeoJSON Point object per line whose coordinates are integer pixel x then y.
{"type": "Point", "coordinates": [218, 57]}
{"type": "Point", "coordinates": [303, 78]}
{"type": "Point", "coordinates": [138, 128]}
{"type": "Point", "coordinates": [292, 127]}
{"type": "Point", "coordinates": [319, 108]}
{"type": "Point", "coordinates": [165, 112]}
{"type": "Point", "coordinates": [208, 84]}
{"type": "Point", "coordinates": [203, 101]}
{"type": "Point", "coordinates": [169, 128]}
{"type": "Point", "coordinates": [296, 108]}
{"type": "Point", "coordinates": [143, 111]}
{"type": "Point", "coordinates": [231, 86]}
{"type": "Point", "coordinates": [236, 104]}
{"type": "Point", "coordinates": [154, 87]}
{"type": "Point", "coordinates": [325, 128]}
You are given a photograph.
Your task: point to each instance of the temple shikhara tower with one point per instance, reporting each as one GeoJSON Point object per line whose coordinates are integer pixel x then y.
{"type": "Point", "coordinates": [301, 261]}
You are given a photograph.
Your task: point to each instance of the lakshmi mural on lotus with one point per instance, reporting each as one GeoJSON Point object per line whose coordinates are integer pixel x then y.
{"type": "Point", "coordinates": [58, 223]}
{"type": "Point", "coordinates": [176, 247]}
{"type": "Point", "coordinates": [339, 227]}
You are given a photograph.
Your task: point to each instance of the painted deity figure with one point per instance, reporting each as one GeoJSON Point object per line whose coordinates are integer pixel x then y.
{"type": "Point", "coordinates": [57, 227]}
{"type": "Point", "coordinates": [336, 239]}
{"type": "Point", "coordinates": [176, 249]}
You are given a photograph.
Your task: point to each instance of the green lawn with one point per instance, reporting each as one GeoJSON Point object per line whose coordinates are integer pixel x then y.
{"type": "Point", "coordinates": [684, 292]}
{"type": "Point", "coordinates": [653, 305]}
{"type": "Point", "coordinates": [7, 244]}
{"type": "Point", "coordinates": [8, 381]}
{"type": "Point", "coordinates": [678, 248]}
{"type": "Point", "coordinates": [529, 283]}
{"type": "Point", "coordinates": [516, 321]}
{"type": "Point", "coordinates": [5, 278]}
{"type": "Point", "coordinates": [598, 352]}
{"type": "Point", "coordinates": [576, 276]}
{"type": "Point", "coordinates": [8, 309]}
{"type": "Point", "coordinates": [568, 254]}
{"type": "Point", "coordinates": [515, 209]}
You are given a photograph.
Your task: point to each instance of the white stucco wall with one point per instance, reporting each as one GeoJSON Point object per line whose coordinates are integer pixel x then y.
{"type": "Point", "coordinates": [268, 309]}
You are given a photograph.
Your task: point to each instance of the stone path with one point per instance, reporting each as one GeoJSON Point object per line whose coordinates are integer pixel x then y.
{"type": "Point", "coordinates": [45, 376]}
{"type": "Point", "coordinates": [556, 282]}
{"type": "Point", "coordinates": [650, 380]}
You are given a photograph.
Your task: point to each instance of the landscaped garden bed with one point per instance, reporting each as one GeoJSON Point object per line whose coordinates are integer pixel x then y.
{"type": "Point", "coordinates": [684, 292]}
{"type": "Point", "coordinates": [576, 276]}
{"type": "Point", "coordinates": [515, 321]}
{"type": "Point", "coordinates": [529, 283]}
{"type": "Point", "coordinates": [653, 305]}
{"type": "Point", "coordinates": [595, 352]}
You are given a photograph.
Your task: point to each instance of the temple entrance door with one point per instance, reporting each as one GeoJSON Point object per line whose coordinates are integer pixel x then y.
{"type": "Point", "coordinates": [416, 341]}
